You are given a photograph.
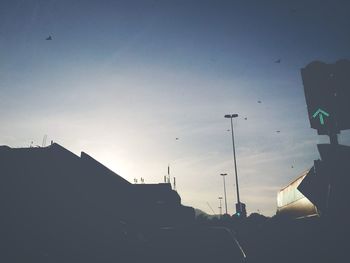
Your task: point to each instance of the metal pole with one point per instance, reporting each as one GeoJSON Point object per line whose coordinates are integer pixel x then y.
{"type": "Point", "coordinates": [234, 159]}
{"type": "Point", "coordinates": [223, 176]}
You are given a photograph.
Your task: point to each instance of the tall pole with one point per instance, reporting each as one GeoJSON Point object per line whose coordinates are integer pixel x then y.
{"type": "Point", "coordinates": [223, 176]}
{"type": "Point", "coordinates": [234, 159]}
{"type": "Point", "coordinates": [220, 207]}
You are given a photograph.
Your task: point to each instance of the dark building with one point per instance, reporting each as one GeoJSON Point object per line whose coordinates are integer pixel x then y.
{"type": "Point", "coordinates": [55, 204]}
{"type": "Point", "coordinates": [292, 203]}
{"type": "Point", "coordinates": [321, 190]}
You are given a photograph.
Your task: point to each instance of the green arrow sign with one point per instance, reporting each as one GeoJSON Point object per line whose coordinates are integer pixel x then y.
{"type": "Point", "coordinates": [320, 114]}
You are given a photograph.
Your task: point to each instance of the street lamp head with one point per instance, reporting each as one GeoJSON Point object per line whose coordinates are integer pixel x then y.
{"type": "Point", "coordinates": [231, 116]}
{"type": "Point", "coordinates": [223, 174]}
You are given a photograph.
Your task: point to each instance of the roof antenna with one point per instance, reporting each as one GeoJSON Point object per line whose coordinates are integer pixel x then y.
{"type": "Point", "coordinates": [174, 183]}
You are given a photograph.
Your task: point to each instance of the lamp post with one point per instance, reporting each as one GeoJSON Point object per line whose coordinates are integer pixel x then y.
{"type": "Point", "coordinates": [239, 208]}
{"type": "Point", "coordinates": [220, 207]}
{"type": "Point", "coordinates": [223, 176]}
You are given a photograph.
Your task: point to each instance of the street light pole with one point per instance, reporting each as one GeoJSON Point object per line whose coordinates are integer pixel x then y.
{"type": "Point", "coordinates": [223, 176]}
{"type": "Point", "coordinates": [220, 207]}
{"type": "Point", "coordinates": [231, 116]}
{"type": "Point", "coordinates": [234, 159]}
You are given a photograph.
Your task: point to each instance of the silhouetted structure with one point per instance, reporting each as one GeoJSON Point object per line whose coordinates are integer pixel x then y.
{"type": "Point", "coordinates": [57, 205]}
{"type": "Point", "coordinates": [326, 184]}
{"type": "Point", "coordinates": [292, 203]}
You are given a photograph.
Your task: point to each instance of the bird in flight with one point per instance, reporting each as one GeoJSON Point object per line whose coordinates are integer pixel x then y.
{"type": "Point", "coordinates": [278, 61]}
{"type": "Point", "coordinates": [259, 101]}
{"type": "Point", "coordinates": [278, 131]}
{"type": "Point", "coordinates": [49, 38]}
{"type": "Point", "coordinates": [246, 118]}
{"type": "Point", "coordinates": [176, 138]}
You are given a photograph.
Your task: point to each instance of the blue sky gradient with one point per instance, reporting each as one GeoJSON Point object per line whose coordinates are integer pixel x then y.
{"type": "Point", "coordinates": [122, 79]}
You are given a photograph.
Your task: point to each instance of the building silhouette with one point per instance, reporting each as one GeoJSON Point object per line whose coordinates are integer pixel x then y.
{"type": "Point", "coordinates": [58, 205]}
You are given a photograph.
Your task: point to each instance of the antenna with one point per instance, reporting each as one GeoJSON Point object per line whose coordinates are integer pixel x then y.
{"type": "Point", "coordinates": [210, 208]}
{"type": "Point", "coordinates": [44, 141]}
{"type": "Point", "coordinates": [174, 183]}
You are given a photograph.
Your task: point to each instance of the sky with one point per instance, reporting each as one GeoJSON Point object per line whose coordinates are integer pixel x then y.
{"type": "Point", "coordinates": [121, 80]}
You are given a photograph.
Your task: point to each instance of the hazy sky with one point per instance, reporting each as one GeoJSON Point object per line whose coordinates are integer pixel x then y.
{"type": "Point", "coordinates": [122, 79]}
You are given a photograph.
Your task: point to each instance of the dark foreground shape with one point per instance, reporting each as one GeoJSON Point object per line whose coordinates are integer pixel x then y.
{"type": "Point", "coordinates": [195, 244]}
{"type": "Point", "coordinates": [59, 207]}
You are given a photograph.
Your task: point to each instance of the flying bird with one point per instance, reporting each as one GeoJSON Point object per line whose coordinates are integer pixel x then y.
{"type": "Point", "coordinates": [259, 101]}
{"type": "Point", "coordinates": [278, 61]}
{"type": "Point", "coordinates": [49, 38]}
{"type": "Point", "coordinates": [246, 118]}
{"type": "Point", "coordinates": [278, 131]}
{"type": "Point", "coordinates": [176, 138]}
